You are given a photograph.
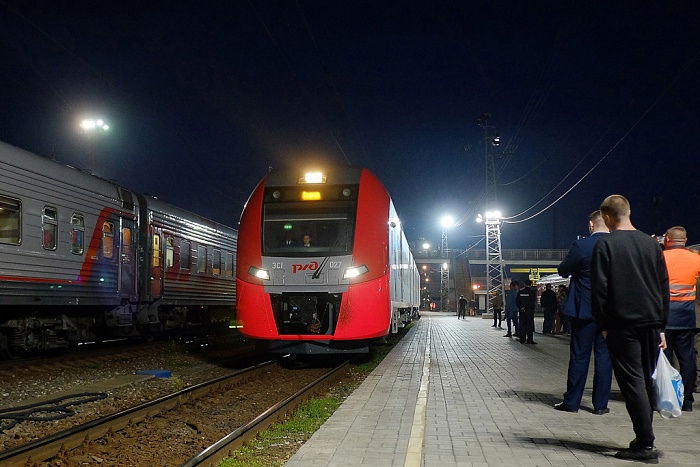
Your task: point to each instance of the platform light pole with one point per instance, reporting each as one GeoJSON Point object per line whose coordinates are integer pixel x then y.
{"type": "Point", "coordinates": [91, 128]}
{"type": "Point", "coordinates": [492, 219]}
{"type": "Point", "coordinates": [495, 282]}
{"type": "Point", "coordinates": [446, 222]}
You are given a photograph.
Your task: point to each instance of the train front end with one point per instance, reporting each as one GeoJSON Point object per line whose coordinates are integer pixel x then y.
{"type": "Point", "coordinates": [312, 271]}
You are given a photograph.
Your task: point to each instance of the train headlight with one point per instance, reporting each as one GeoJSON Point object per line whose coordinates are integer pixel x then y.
{"type": "Point", "coordinates": [355, 272]}
{"type": "Point", "coordinates": [263, 274]}
{"type": "Point", "coordinates": [312, 177]}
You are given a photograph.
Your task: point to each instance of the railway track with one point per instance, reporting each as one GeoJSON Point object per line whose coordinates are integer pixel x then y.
{"type": "Point", "coordinates": [98, 438]}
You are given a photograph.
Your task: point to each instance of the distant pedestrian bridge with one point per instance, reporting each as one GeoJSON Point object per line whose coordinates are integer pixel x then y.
{"type": "Point", "coordinates": [513, 257]}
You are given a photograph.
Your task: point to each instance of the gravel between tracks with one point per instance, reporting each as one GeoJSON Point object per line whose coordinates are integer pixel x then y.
{"type": "Point", "coordinates": [164, 441]}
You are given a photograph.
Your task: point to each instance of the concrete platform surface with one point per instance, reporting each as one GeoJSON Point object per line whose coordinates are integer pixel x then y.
{"type": "Point", "coordinates": [457, 393]}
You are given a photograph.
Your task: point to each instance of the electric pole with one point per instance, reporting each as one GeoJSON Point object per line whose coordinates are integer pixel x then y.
{"type": "Point", "coordinates": [492, 218]}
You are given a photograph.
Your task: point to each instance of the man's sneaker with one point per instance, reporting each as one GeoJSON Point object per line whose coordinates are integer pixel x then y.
{"type": "Point", "coordinates": [639, 453]}
{"type": "Point", "coordinates": [508, 335]}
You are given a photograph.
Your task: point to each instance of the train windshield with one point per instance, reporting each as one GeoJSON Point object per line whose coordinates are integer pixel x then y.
{"type": "Point", "coordinates": [319, 228]}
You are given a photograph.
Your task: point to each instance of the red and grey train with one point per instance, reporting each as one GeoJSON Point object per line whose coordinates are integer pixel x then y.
{"type": "Point", "coordinates": [351, 285]}
{"type": "Point", "coordinates": [84, 259]}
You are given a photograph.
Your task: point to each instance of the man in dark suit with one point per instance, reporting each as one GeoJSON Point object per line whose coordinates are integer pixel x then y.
{"type": "Point", "coordinates": [586, 335]}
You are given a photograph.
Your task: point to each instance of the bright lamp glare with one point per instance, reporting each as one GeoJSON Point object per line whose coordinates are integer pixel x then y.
{"type": "Point", "coordinates": [426, 246]}
{"type": "Point", "coordinates": [447, 221]}
{"type": "Point", "coordinates": [313, 177]}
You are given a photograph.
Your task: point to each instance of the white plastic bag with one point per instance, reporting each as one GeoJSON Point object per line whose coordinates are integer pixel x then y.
{"type": "Point", "coordinates": [668, 388]}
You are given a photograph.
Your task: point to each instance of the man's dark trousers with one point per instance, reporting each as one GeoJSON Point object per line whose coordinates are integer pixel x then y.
{"type": "Point", "coordinates": [633, 352]}
{"type": "Point", "coordinates": [586, 337]}
{"type": "Point", "coordinates": [526, 327]}
{"type": "Point", "coordinates": [683, 342]}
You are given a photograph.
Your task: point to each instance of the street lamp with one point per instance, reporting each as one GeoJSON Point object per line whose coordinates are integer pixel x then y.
{"type": "Point", "coordinates": [91, 127]}
{"type": "Point", "coordinates": [446, 222]}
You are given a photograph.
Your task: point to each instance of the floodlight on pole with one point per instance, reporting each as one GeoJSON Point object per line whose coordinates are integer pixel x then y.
{"type": "Point", "coordinates": [446, 222]}
{"type": "Point", "coordinates": [91, 127]}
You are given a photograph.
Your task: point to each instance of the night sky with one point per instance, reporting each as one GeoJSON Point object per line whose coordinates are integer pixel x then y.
{"type": "Point", "coordinates": [593, 98]}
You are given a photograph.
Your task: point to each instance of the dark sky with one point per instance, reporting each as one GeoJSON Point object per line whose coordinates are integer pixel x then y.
{"type": "Point", "coordinates": [202, 97]}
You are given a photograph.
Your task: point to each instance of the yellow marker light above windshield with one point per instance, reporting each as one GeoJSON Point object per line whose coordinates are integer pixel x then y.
{"type": "Point", "coordinates": [310, 195]}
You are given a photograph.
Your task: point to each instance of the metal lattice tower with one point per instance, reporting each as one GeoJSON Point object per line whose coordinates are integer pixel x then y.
{"type": "Point", "coordinates": [494, 258]}
{"type": "Point", "coordinates": [444, 273]}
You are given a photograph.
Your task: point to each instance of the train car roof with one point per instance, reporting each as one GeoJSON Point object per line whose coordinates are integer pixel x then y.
{"type": "Point", "coordinates": [50, 168]}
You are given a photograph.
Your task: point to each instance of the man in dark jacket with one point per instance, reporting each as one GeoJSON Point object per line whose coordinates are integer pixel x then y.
{"type": "Point", "coordinates": [548, 302]}
{"type": "Point", "coordinates": [630, 301]}
{"type": "Point", "coordinates": [526, 300]}
{"type": "Point", "coordinates": [586, 335]}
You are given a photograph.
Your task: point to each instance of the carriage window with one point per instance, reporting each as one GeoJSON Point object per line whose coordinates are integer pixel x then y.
{"type": "Point", "coordinates": [216, 260]}
{"type": "Point", "coordinates": [10, 220]}
{"type": "Point", "coordinates": [228, 266]}
{"type": "Point", "coordinates": [49, 225]}
{"type": "Point", "coordinates": [156, 251]}
{"type": "Point", "coordinates": [201, 259]}
{"type": "Point", "coordinates": [126, 241]}
{"type": "Point", "coordinates": [77, 234]}
{"type": "Point", "coordinates": [169, 249]}
{"type": "Point", "coordinates": [108, 240]}
{"type": "Point", "coordinates": [184, 255]}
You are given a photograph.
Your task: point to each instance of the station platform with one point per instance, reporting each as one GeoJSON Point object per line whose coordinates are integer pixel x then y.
{"type": "Point", "coordinates": [457, 393]}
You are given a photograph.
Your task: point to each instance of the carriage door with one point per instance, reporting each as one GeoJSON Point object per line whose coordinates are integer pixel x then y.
{"type": "Point", "coordinates": [127, 262]}
{"type": "Point", "coordinates": [156, 264]}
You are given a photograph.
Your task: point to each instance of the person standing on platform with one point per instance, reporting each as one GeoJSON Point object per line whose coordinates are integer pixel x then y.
{"type": "Point", "coordinates": [683, 271]}
{"type": "Point", "coordinates": [526, 301]}
{"type": "Point", "coordinates": [497, 304]}
{"type": "Point", "coordinates": [559, 317]}
{"type": "Point", "coordinates": [630, 301]}
{"type": "Point", "coordinates": [586, 335]}
{"type": "Point", "coordinates": [548, 302]}
{"type": "Point", "coordinates": [512, 308]}
{"type": "Point", "coordinates": [462, 307]}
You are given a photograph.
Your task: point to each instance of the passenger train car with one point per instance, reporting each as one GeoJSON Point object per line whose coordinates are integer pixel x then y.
{"type": "Point", "coordinates": [83, 258]}
{"type": "Point", "coordinates": [356, 281]}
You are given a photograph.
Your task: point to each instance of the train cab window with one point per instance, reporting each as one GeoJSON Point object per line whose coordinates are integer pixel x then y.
{"type": "Point", "coordinates": [228, 265]}
{"type": "Point", "coordinates": [216, 263]}
{"type": "Point", "coordinates": [107, 240]}
{"type": "Point", "coordinates": [330, 225]}
{"type": "Point", "coordinates": [169, 252]}
{"type": "Point", "coordinates": [184, 254]}
{"type": "Point", "coordinates": [10, 220]}
{"type": "Point", "coordinates": [201, 259]}
{"type": "Point", "coordinates": [77, 234]}
{"type": "Point", "coordinates": [49, 226]}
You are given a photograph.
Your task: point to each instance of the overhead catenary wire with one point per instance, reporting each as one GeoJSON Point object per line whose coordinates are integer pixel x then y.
{"type": "Point", "coordinates": [619, 141]}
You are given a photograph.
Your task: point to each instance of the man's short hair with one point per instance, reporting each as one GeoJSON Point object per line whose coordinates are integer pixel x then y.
{"type": "Point", "coordinates": [616, 206]}
{"type": "Point", "coordinates": [514, 284]}
{"type": "Point", "coordinates": [677, 234]}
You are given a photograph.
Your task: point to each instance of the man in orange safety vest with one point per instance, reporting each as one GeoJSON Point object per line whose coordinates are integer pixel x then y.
{"type": "Point", "coordinates": [683, 271]}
